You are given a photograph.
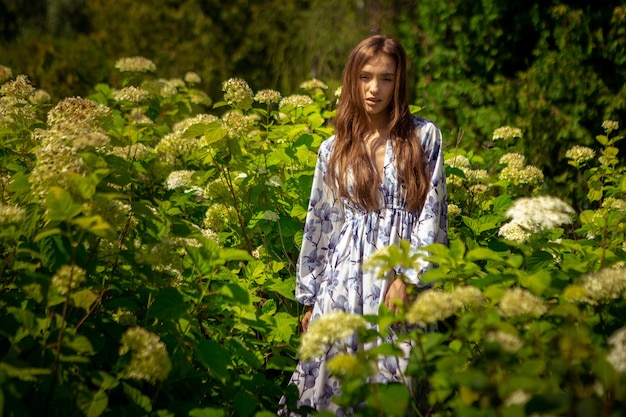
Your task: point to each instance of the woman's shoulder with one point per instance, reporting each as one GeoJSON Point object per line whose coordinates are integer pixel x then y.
{"type": "Point", "coordinates": [428, 134]}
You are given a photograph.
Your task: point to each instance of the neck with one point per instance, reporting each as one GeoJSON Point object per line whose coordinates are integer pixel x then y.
{"type": "Point", "coordinates": [377, 123]}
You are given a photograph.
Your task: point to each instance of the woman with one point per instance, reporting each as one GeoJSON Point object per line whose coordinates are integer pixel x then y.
{"type": "Point", "coordinates": [379, 180]}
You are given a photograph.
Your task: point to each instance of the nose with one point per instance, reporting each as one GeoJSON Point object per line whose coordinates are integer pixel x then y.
{"type": "Point", "coordinates": [374, 86]}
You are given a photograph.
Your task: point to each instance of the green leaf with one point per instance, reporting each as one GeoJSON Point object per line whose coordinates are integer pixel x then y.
{"type": "Point", "coordinates": [244, 403]}
{"type": "Point", "coordinates": [392, 398]}
{"type": "Point", "coordinates": [169, 304]}
{"type": "Point", "coordinates": [213, 355]}
{"type": "Point", "coordinates": [60, 205]}
{"type": "Point", "coordinates": [92, 404]}
{"type": "Point", "coordinates": [236, 293]}
{"type": "Point", "coordinates": [137, 397]}
{"type": "Point", "coordinates": [537, 282]}
{"type": "Point", "coordinates": [83, 298]}
{"type": "Point", "coordinates": [207, 412]}
{"type": "Point", "coordinates": [23, 373]}
{"type": "Point", "coordinates": [482, 254]}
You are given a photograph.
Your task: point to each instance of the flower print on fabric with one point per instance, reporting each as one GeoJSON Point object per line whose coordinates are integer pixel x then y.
{"type": "Point", "coordinates": [339, 237]}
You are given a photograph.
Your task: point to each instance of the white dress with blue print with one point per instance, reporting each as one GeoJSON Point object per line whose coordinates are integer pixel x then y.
{"type": "Point", "coordinates": [339, 237]}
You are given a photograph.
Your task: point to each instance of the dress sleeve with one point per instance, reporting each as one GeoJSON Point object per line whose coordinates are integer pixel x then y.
{"type": "Point", "coordinates": [323, 223]}
{"type": "Point", "coordinates": [432, 225]}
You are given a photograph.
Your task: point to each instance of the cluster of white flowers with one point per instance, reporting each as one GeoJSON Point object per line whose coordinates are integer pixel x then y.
{"type": "Point", "coordinates": [11, 214]}
{"type": "Point", "coordinates": [453, 210]}
{"type": "Point", "coordinates": [16, 102]}
{"type": "Point", "coordinates": [513, 159]}
{"type": "Point", "coordinates": [131, 93]}
{"type": "Point", "coordinates": [524, 175]}
{"type": "Point", "coordinates": [149, 358]}
{"type": "Point", "coordinates": [218, 216]}
{"type": "Point", "coordinates": [458, 161]}
{"type": "Point", "coordinates": [192, 78]}
{"type": "Point", "coordinates": [175, 145]}
{"type": "Point", "coordinates": [506, 133]}
{"type": "Point", "coordinates": [518, 302]}
{"type": "Point", "coordinates": [517, 397]}
{"type": "Point", "coordinates": [612, 203]}
{"type": "Point", "coordinates": [76, 115]}
{"type": "Point", "coordinates": [177, 179]}
{"type": "Point", "coordinates": [610, 125]}
{"type": "Point", "coordinates": [237, 93]}
{"type": "Point", "coordinates": [599, 287]}
{"type": "Point", "coordinates": [135, 151]}
{"type": "Point", "coordinates": [328, 330]}
{"type": "Point", "coordinates": [274, 181]}
{"type": "Point", "coordinates": [237, 124]}
{"type": "Point", "coordinates": [135, 64]}
{"type": "Point", "coordinates": [55, 161]}
{"type": "Point", "coordinates": [580, 154]}
{"type": "Point", "coordinates": [20, 88]}
{"type": "Point", "coordinates": [432, 306]}
{"type": "Point", "coordinates": [295, 100]}
{"type": "Point", "coordinates": [67, 278]}
{"type": "Point", "coordinates": [271, 216]}
{"type": "Point", "coordinates": [533, 214]}
{"type": "Point", "coordinates": [124, 317]}
{"type": "Point", "coordinates": [313, 84]}
{"type": "Point", "coordinates": [507, 341]}
{"type": "Point", "coordinates": [617, 354]}
{"type": "Point", "coordinates": [97, 140]}
{"type": "Point", "coordinates": [267, 96]}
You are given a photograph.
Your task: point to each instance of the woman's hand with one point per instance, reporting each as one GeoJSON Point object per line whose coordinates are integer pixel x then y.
{"type": "Point", "coordinates": [395, 293]}
{"type": "Point", "coordinates": [306, 319]}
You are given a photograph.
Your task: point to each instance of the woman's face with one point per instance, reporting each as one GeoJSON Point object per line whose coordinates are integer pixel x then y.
{"type": "Point", "coordinates": [377, 81]}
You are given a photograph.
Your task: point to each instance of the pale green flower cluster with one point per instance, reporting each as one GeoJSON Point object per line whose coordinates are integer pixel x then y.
{"type": "Point", "coordinates": [453, 210]}
{"type": "Point", "coordinates": [175, 145]}
{"type": "Point", "coordinates": [40, 97]}
{"type": "Point", "coordinates": [274, 181]}
{"type": "Point", "coordinates": [202, 118]}
{"type": "Point", "coordinates": [20, 88]}
{"type": "Point", "coordinates": [124, 317]}
{"type": "Point", "coordinates": [615, 204]}
{"type": "Point", "coordinates": [131, 93]}
{"type": "Point", "coordinates": [237, 124]}
{"type": "Point", "coordinates": [55, 161]}
{"type": "Point", "coordinates": [347, 364]}
{"type": "Point", "coordinates": [192, 78]}
{"type": "Point", "coordinates": [135, 151]}
{"type": "Point", "coordinates": [506, 133]}
{"type": "Point", "coordinates": [5, 73]}
{"type": "Point", "coordinates": [90, 140]}
{"type": "Point", "coordinates": [237, 93]}
{"type": "Point", "coordinates": [271, 216]}
{"type": "Point", "coordinates": [599, 287]}
{"type": "Point", "coordinates": [517, 397]}
{"type": "Point", "coordinates": [313, 84]}
{"type": "Point", "coordinates": [11, 214]}
{"type": "Point", "coordinates": [267, 96]}
{"type": "Point", "coordinates": [218, 216]}
{"type": "Point", "coordinates": [527, 174]}
{"type": "Point", "coordinates": [518, 302]}
{"type": "Point", "coordinates": [137, 116]}
{"type": "Point", "coordinates": [338, 92]}
{"type": "Point", "coordinates": [617, 354]}
{"type": "Point", "coordinates": [580, 154]}
{"type": "Point", "coordinates": [178, 179]}
{"type": "Point", "coordinates": [68, 278]}
{"type": "Point", "coordinates": [16, 102]}
{"type": "Point", "coordinates": [458, 161]}
{"type": "Point", "coordinates": [199, 97]}
{"type": "Point", "coordinates": [432, 306]}
{"type": "Point", "coordinates": [149, 358]}
{"type": "Point", "coordinates": [610, 125]}
{"type": "Point", "coordinates": [507, 341]}
{"type": "Point", "coordinates": [533, 214]}
{"type": "Point", "coordinates": [218, 189]}
{"type": "Point", "coordinates": [328, 330]}
{"type": "Point", "coordinates": [513, 159]}
{"type": "Point", "coordinates": [295, 100]}
{"type": "Point", "coordinates": [76, 114]}
{"type": "Point", "coordinates": [135, 64]}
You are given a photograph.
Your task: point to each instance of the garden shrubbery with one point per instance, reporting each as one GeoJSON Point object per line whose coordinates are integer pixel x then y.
{"type": "Point", "coordinates": [148, 244]}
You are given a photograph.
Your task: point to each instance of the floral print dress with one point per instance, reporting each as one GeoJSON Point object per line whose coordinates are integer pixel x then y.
{"type": "Point", "coordinates": [339, 237]}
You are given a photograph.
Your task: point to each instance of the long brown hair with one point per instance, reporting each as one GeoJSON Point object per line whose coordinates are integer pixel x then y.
{"type": "Point", "coordinates": [349, 152]}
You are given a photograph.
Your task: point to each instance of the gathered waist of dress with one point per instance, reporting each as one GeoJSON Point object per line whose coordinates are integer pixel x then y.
{"type": "Point", "coordinates": [351, 212]}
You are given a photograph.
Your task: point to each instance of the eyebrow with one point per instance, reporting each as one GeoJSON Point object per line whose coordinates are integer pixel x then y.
{"type": "Point", "coordinates": [384, 74]}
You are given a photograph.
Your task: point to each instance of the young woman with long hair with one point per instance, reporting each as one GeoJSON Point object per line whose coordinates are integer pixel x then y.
{"type": "Point", "coordinates": [379, 180]}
